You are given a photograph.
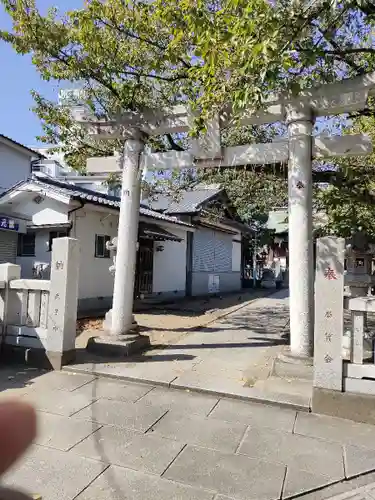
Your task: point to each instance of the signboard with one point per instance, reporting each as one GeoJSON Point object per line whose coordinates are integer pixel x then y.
{"type": "Point", "coordinates": [8, 224]}
{"type": "Point", "coordinates": [213, 283]}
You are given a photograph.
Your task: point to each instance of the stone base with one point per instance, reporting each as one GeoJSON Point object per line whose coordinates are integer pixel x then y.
{"type": "Point", "coordinates": [287, 365]}
{"type": "Point", "coordinates": [118, 346]}
{"type": "Point", "coordinates": [349, 405]}
{"type": "Point", "coordinates": [38, 358]}
{"type": "Point", "coordinates": [107, 323]}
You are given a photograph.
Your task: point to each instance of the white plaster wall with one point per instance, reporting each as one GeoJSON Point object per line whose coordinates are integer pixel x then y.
{"type": "Point", "coordinates": [170, 265]}
{"type": "Point", "coordinates": [95, 280]}
{"type": "Point", "coordinates": [48, 212]}
{"type": "Point", "coordinates": [14, 167]}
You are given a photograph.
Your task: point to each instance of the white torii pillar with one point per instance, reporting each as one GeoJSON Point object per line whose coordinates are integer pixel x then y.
{"type": "Point", "coordinates": [120, 318]}
{"type": "Point", "coordinates": [300, 243]}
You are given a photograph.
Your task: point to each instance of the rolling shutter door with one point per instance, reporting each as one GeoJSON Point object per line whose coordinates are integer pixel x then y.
{"type": "Point", "coordinates": [212, 252]}
{"type": "Point", "coordinates": [223, 253]}
{"type": "Point", "coordinates": [8, 247]}
{"type": "Point", "coordinates": [204, 251]}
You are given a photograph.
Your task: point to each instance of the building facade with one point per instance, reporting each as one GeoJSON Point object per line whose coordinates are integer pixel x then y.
{"type": "Point", "coordinates": [56, 209]}
{"type": "Point", "coordinates": [15, 165]}
{"type": "Point", "coordinates": [215, 250]}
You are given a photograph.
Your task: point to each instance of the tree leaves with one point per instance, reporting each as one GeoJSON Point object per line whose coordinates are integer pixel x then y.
{"type": "Point", "coordinates": [134, 55]}
{"type": "Point", "coordinates": [350, 202]}
{"type": "Point", "coordinates": [211, 52]}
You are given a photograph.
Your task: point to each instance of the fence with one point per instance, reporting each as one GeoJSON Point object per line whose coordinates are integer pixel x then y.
{"type": "Point", "coordinates": [359, 373]}
{"type": "Point", "coordinates": [38, 317]}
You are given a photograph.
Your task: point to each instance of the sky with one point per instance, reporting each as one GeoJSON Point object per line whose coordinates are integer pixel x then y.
{"type": "Point", "coordinates": [19, 76]}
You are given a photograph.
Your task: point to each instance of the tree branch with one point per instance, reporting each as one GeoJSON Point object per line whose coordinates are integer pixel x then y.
{"type": "Point", "coordinates": [133, 35]}
{"type": "Point", "coordinates": [365, 112]}
{"type": "Point", "coordinates": [343, 52]}
{"type": "Point", "coordinates": [358, 50]}
{"type": "Point", "coordinates": [343, 57]}
{"type": "Point", "coordinates": [173, 144]}
{"type": "Point", "coordinates": [156, 77]}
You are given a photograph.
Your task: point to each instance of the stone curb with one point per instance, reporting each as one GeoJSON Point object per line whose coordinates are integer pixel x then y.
{"type": "Point", "coordinates": [361, 487]}
{"type": "Point", "coordinates": [363, 493]}
{"type": "Point", "coordinates": [259, 398]}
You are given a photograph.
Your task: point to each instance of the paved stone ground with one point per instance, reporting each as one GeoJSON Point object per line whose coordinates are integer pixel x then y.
{"type": "Point", "coordinates": [360, 488]}
{"type": "Point", "coordinates": [102, 439]}
{"type": "Point", "coordinates": [363, 493]}
{"type": "Point", "coordinates": [231, 357]}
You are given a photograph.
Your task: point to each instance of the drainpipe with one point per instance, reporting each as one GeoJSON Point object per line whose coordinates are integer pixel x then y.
{"type": "Point", "coordinates": [82, 204]}
{"type": "Point", "coordinates": [255, 261]}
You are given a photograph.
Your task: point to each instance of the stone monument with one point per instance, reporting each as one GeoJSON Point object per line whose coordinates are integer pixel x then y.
{"type": "Point", "coordinates": [329, 313]}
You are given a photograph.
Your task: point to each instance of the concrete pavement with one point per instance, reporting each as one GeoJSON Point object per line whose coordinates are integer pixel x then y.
{"type": "Point", "coordinates": [232, 357]}
{"type": "Point", "coordinates": [102, 439]}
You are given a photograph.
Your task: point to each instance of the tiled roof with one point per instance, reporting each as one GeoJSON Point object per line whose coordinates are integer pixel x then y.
{"type": "Point", "coordinates": [189, 202]}
{"type": "Point", "coordinates": [34, 153]}
{"type": "Point", "coordinates": [90, 196]}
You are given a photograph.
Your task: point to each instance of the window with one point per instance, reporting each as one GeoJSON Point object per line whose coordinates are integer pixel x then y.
{"type": "Point", "coordinates": [53, 235]}
{"type": "Point", "coordinates": [100, 246]}
{"type": "Point", "coordinates": [26, 245]}
{"type": "Point", "coordinates": [115, 191]}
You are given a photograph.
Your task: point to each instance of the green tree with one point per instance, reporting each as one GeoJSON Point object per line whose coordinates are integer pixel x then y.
{"type": "Point", "coordinates": [130, 55]}
{"type": "Point", "coordinates": [212, 52]}
{"type": "Point", "coordinates": [116, 51]}
{"type": "Point", "coordinates": [247, 49]}
{"type": "Point", "coordinates": [254, 191]}
{"type": "Point", "coordinates": [349, 200]}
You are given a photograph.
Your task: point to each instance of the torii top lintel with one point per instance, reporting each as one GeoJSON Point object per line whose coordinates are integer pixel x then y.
{"type": "Point", "coordinates": [345, 96]}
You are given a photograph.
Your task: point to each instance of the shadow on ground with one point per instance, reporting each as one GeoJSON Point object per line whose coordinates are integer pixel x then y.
{"type": "Point", "coordinates": [187, 307]}
{"type": "Point", "coordinates": [195, 306]}
{"type": "Point", "coordinates": [256, 328]}
{"type": "Point", "coordinates": [14, 378]}
{"type": "Point", "coordinates": [258, 321]}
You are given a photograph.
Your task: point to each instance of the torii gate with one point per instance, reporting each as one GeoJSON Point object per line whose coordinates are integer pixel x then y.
{"type": "Point", "coordinates": [298, 150]}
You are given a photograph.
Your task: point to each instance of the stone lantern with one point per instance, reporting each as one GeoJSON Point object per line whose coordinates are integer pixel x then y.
{"type": "Point", "coordinates": [112, 247]}
{"type": "Point", "coordinates": [358, 280]}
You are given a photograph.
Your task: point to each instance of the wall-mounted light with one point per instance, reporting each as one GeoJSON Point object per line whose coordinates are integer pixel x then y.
{"type": "Point", "coordinates": [38, 199]}
{"type": "Point", "coordinates": [159, 248]}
